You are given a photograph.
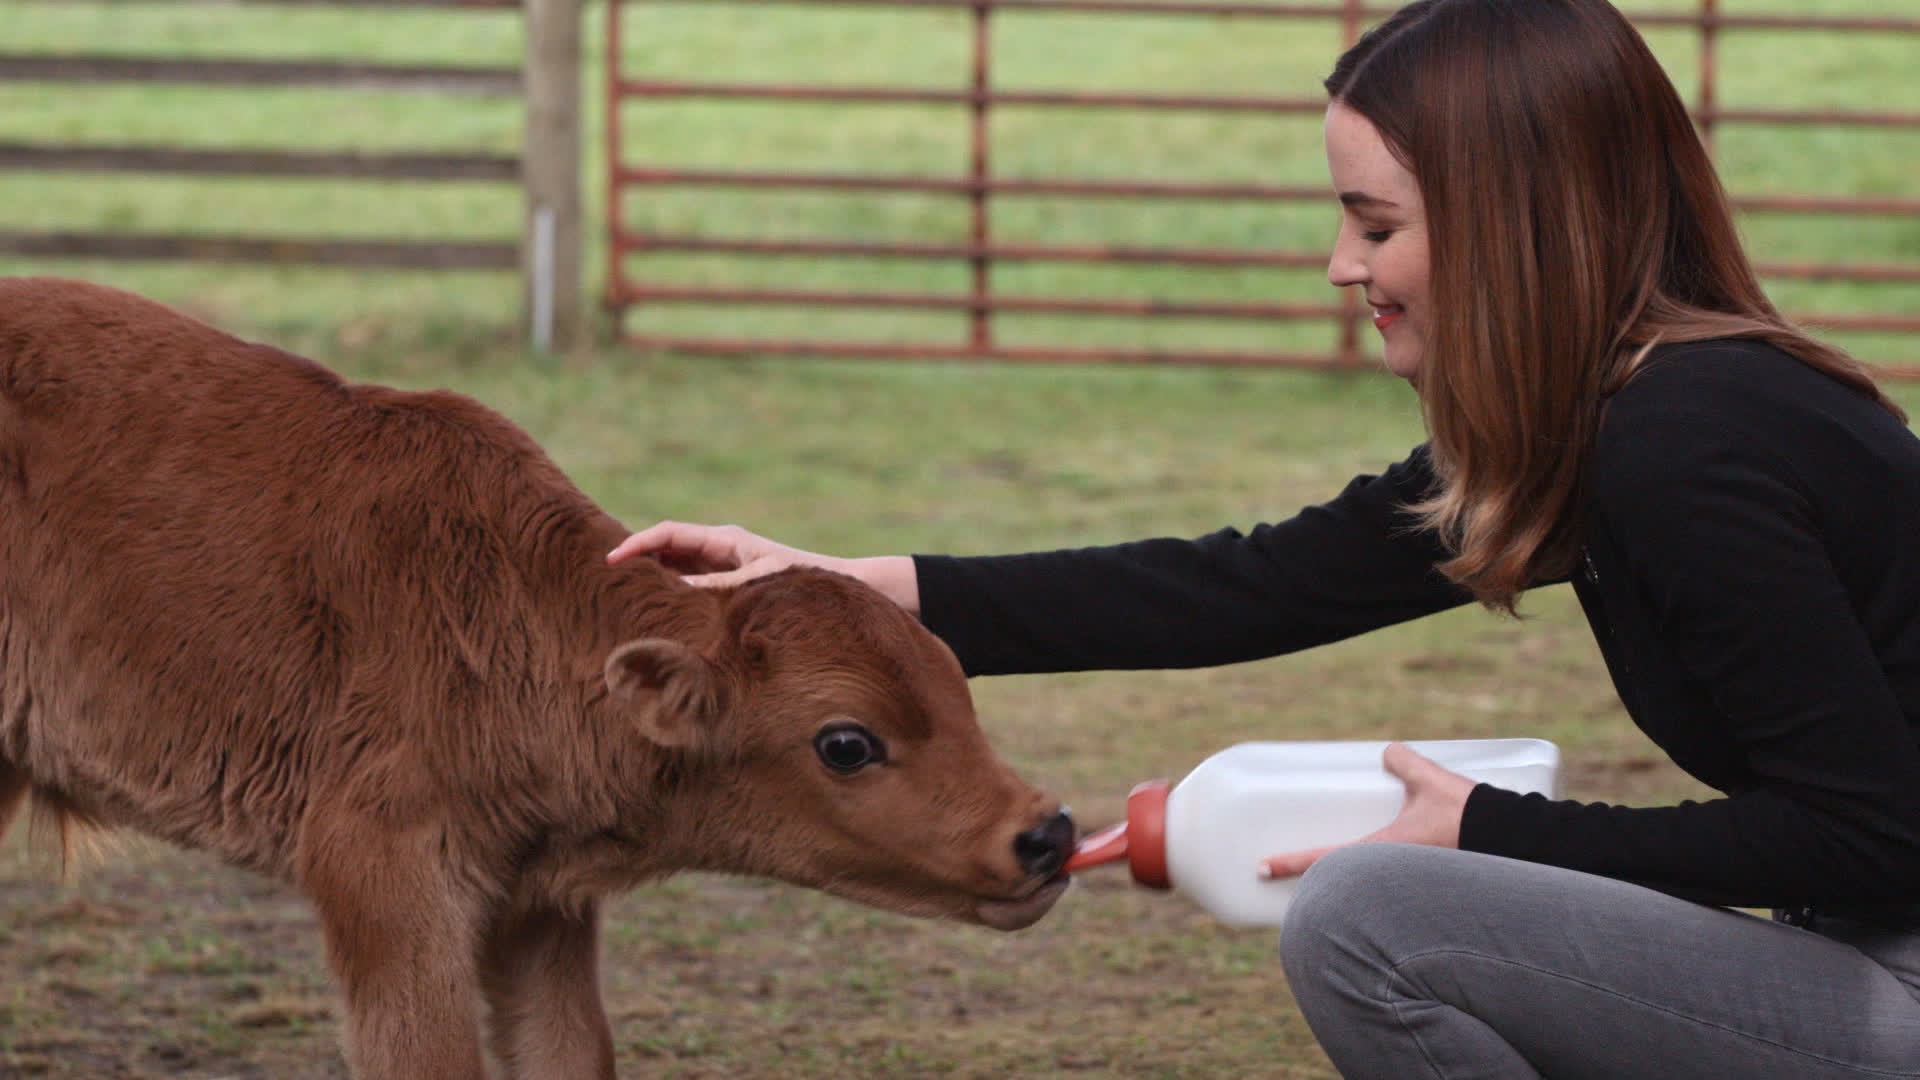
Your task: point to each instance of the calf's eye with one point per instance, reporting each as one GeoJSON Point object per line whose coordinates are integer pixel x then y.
{"type": "Point", "coordinates": [848, 748]}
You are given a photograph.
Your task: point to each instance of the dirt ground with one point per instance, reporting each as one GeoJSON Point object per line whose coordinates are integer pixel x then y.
{"type": "Point", "coordinates": [157, 963]}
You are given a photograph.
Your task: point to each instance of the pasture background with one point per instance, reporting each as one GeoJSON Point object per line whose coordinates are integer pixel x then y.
{"type": "Point", "coordinates": [156, 963]}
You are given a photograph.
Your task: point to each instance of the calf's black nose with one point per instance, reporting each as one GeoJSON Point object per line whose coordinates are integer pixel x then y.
{"type": "Point", "coordinates": [1043, 849]}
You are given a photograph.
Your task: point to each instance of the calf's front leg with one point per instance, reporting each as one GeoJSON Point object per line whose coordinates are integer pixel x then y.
{"type": "Point", "coordinates": [403, 947]}
{"type": "Point", "coordinates": [541, 976]}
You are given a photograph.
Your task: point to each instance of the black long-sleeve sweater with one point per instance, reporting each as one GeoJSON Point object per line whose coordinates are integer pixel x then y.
{"type": "Point", "coordinates": [1751, 570]}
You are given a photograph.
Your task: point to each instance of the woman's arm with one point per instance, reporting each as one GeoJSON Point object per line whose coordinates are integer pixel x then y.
{"type": "Point", "coordinates": [1334, 570]}
{"type": "Point", "coordinates": [1352, 564]}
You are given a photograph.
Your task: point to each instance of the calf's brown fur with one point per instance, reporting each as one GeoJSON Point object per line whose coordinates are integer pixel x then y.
{"type": "Point", "coordinates": [365, 641]}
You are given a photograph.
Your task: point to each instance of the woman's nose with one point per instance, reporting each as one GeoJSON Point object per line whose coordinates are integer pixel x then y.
{"type": "Point", "coordinates": [1343, 268]}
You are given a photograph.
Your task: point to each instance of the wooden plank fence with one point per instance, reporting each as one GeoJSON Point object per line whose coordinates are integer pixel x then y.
{"type": "Point", "coordinates": [547, 254]}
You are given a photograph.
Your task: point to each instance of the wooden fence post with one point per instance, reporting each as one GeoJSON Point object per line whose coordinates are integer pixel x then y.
{"type": "Point", "coordinates": [551, 260]}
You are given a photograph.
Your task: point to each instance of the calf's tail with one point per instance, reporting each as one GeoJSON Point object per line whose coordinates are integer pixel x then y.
{"type": "Point", "coordinates": [54, 825]}
{"type": "Point", "coordinates": [13, 792]}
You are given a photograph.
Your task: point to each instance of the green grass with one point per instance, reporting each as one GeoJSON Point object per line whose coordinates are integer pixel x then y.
{"type": "Point", "coordinates": [156, 963]}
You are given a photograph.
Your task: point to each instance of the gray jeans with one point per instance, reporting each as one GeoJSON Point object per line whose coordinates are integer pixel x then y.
{"type": "Point", "coordinates": [1414, 962]}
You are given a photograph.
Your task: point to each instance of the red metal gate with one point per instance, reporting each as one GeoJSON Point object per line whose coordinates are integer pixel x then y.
{"type": "Point", "coordinates": [630, 172]}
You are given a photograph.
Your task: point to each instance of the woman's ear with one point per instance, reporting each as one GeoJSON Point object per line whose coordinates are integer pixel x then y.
{"type": "Point", "coordinates": [676, 692]}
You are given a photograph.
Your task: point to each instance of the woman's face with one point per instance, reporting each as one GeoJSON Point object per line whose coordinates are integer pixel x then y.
{"type": "Point", "coordinates": [1382, 246]}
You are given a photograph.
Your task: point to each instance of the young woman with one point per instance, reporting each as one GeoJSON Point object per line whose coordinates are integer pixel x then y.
{"type": "Point", "coordinates": [1611, 401]}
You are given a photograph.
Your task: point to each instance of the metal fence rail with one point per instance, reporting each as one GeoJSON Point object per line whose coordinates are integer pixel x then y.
{"type": "Point", "coordinates": [979, 186]}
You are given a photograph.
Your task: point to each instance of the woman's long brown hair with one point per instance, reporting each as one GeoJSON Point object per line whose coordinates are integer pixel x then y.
{"type": "Point", "coordinates": [1574, 220]}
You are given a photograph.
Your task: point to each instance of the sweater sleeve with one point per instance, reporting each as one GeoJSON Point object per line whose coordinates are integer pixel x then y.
{"type": "Point", "coordinates": [1334, 570]}
{"type": "Point", "coordinates": [1723, 541]}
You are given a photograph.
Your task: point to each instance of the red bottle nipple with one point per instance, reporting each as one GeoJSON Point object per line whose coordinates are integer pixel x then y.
{"type": "Point", "coordinates": [1141, 839]}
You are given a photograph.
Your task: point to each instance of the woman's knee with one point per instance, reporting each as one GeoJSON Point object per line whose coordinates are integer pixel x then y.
{"type": "Point", "coordinates": [1366, 873]}
{"type": "Point", "coordinates": [1353, 894]}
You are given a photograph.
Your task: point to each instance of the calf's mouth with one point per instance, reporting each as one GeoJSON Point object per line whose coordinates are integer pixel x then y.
{"type": "Point", "coordinates": [1021, 912]}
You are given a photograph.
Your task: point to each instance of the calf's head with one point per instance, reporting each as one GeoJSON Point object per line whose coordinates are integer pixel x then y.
{"type": "Point", "coordinates": [829, 740]}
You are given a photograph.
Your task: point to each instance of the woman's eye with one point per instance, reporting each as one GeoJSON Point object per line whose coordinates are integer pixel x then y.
{"type": "Point", "coordinates": [1376, 236]}
{"type": "Point", "coordinates": [848, 748]}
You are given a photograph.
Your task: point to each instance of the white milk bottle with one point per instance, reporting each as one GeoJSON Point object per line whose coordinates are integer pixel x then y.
{"type": "Point", "coordinates": [1207, 836]}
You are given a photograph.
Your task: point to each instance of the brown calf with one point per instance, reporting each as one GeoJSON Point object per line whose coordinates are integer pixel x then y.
{"type": "Point", "coordinates": [365, 641]}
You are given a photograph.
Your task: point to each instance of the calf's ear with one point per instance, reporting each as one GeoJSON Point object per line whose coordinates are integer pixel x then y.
{"type": "Point", "coordinates": [675, 691]}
